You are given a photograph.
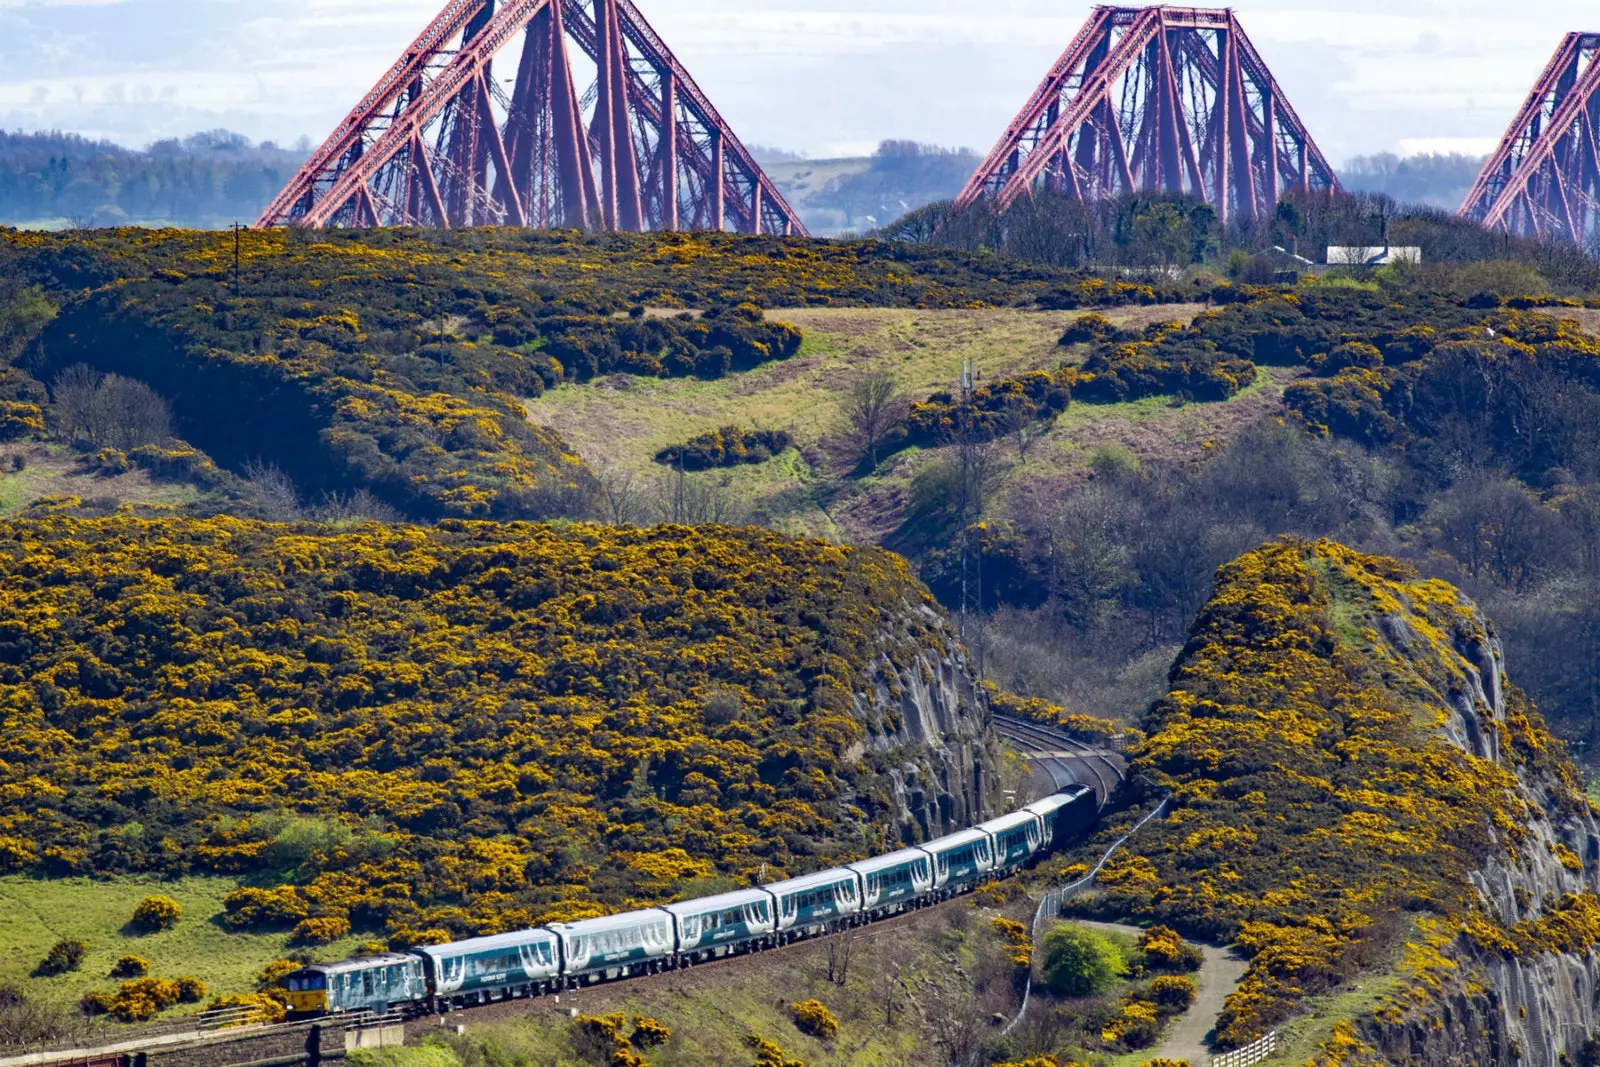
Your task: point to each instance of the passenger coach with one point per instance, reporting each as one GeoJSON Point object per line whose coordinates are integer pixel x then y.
{"type": "Point", "coordinates": [566, 955]}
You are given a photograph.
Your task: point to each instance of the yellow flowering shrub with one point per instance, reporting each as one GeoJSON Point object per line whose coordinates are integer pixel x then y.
{"type": "Point", "coordinates": [1313, 677]}
{"type": "Point", "coordinates": [813, 1017]}
{"type": "Point", "coordinates": [451, 731]}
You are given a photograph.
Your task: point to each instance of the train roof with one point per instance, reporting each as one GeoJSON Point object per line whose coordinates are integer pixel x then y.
{"type": "Point", "coordinates": [957, 840]}
{"type": "Point", "coordinates": [892, 860]}
{"type": "Point", "coordinates": [474, 945]}
{"type": "Point", "coordinates": [1009, 822]}
{"type": "Point", "coordinates": [832, 876]}
{"type": "Point", "coordinates": [361, 963]}
{"type": "Point", "coordinates": [720, 902]}
{"type": "Point", "coordinates": [1056, 801]}
{"type": "Point", "coordinates": [623, 921]}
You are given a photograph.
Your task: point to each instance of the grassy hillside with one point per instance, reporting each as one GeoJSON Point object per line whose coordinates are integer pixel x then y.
{"type": "Point", "coordinates": [621, 424]}
{"type": "Point", "coordinates": [37, 912]}
{"type": "Point", "coordinates": [1329, 806]}
{"type": "Point", "coordinates": [426, 733]}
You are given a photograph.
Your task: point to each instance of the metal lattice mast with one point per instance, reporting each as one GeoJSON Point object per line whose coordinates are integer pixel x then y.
{"type": "Point", "coordinates": [1543, 181]}
{"type": "Point", "coordinates": [1157, 99]}
{"type": "Point", "coordinates": [601, 128]}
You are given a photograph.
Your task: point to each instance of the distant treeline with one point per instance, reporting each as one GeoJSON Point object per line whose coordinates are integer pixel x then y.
{"type": "Point", "coordinates": [205, 181]}
{"type": "Point", "coordinates": [1436, 180]}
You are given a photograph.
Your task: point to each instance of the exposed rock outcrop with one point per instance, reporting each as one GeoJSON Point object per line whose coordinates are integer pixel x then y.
{"type": "Point", "coordinates": [926, 718]}
{"type": "Point", "coordinates": [1511, 1007]}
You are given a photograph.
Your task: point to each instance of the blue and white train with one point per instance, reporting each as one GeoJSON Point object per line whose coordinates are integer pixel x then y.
{"type": "Point", "coordinates": [567, 955]}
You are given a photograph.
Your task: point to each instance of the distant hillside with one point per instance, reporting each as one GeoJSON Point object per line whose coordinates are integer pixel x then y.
{"type": "Point", "coordinates": [836, 196]}
{"type": "Point", "coordinates": [1436, 180]}
{"type": "Point", "coordinates": [206, 181]}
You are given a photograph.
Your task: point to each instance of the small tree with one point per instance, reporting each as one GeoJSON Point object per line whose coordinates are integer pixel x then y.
{"type": "Point", "coordinates": [873, 408]}
{"type": "Point", "coordinates": [1079, 962]}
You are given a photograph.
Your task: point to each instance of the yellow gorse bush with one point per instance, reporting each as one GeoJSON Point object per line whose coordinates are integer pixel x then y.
{"type": "Point", "coordinates": [1313, 677]}
{"type": "Point", "coordinates": [436, 733]}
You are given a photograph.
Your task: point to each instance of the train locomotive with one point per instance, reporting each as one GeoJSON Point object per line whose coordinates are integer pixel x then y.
{"type": "Point", "coordinates": [559, 956]}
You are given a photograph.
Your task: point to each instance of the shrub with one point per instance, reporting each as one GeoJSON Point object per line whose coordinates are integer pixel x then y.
{"type": "Point", "coordinates": [1173, 992]}
{"type": "Point", "coordinates": [321, 930]}
{"type": "Point", "coordinates": [261, 1007]}
{"type": "Point", "coordinates": [1137, 1025]}
{"type": "Point", "coordinates": [769, 1053]}
{"type": "Point", "coordinates": [190, 990]}
{"type": "Point", "coordinates": [649, 1032]}
{"type": "Point", "coordinates": [727, 447]}
{"type": "Point", "coordinates": [273, 974]}
{"type": "Point", "coordinates": [156, 913]}
{"type": "Point", "coordinates": [130, 967]}
{"type": "Point", "coordinates": [1019, 946]}
{"type": "Point", "coordinates": [1164, 950]}
{"type": "Point", "coordinates": [1078, 962]}
{"type": "Point", "coordinates": [144, 998]}
{"type": "Point", "coordinates": [813, 1017]}
{"type": "Point", "coordinates": [65, 955]}
{"type": "Point", "coordinates": [95, 1002]}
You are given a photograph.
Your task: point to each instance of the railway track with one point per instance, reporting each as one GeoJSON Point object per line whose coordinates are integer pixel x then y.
{"type": "Point", "coordinates": [1043, 744]}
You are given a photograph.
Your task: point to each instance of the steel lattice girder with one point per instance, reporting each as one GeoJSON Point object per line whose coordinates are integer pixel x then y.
{"type": "Point", "coordinates": [440, 142]}
{"type": "Point", "coordinates": [1544, 179]}
{"type": "Point", "coordinates": [1160, 99]}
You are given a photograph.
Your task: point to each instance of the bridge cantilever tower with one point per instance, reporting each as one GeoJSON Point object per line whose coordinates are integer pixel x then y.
{"type": "Point", "coordinates": [1544, 179]}
{"type": "Point", "coordinates": [446, 139]}
{"type": "Point", "coordinates": [1165, 99]}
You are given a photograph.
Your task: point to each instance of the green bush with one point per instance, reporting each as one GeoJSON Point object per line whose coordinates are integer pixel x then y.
{"type": "Point", "coordinates": [65, 955]}
{"type": "Point", "coordinates": [1078, 962]}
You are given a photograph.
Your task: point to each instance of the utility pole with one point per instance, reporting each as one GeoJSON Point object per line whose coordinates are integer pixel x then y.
{"type": "Point", "coordinates": [237, 257]}
{"type": "Point", "coordinates": [971, 514]}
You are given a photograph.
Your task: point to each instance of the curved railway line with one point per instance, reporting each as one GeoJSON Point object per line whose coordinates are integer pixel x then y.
{"type": "Point", "coordinates": [1045, 745]}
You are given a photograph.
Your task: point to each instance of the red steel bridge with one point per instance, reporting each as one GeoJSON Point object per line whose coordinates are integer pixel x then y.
{"type": "Point", "coordinates": [1544, 179]}
{"type": "Point", "coordinates": [570, 113]}
{"type": "Point", "coordinates": [1163, 99]}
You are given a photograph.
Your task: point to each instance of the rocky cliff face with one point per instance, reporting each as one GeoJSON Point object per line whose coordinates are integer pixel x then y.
{"type": "Point", "coordinates": [1358, 789]}
{"type": "Point", "coordinates": [926, 723]}
{"type": "Point", "coordinates": [1509, 1007]}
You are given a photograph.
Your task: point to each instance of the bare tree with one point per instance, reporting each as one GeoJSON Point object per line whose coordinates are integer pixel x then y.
{"type": "Point", "coordinates": [841, 950]}
{"type": "Point", "coordinates": [359, 506]}
{"type": "Point", "coordinates": [132, 413]}
{"type": "Point", "coordinates": [74, 392]}
{"type": "Point", "coordinates": [696, 500]}
{"type": "Point", "coordinates": [621, 490]}
{"type": "Point", "coordinates": [1026, 428]}
{"type": "Point", "coordinates": [873, 407]}
{"type": "Point", "coordinates": [108, 411]}
{"type": "Point", "coordinates": [273, 490]}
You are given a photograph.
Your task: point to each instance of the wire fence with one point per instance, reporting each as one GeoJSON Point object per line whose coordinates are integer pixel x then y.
{"type": "Point", "coordinates": [1254, 1052]}
{"type": "Point", "coordinates": [1056, 899]}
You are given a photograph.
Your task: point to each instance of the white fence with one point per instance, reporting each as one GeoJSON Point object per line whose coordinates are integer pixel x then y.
{"type": "Point", "coordinates": [1254, 1052]}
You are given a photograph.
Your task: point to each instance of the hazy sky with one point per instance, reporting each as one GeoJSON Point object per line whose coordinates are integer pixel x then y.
{"type": "Point", "coordinates": [819, 76]}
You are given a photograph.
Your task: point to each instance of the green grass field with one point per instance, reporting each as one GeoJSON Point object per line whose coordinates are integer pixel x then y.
{"type": "Point", "coordinates": [619, 423]}
{"type": "Point", "coordinates": [53, 470]}
{"type": "Point", "coordinates": [37, 912]}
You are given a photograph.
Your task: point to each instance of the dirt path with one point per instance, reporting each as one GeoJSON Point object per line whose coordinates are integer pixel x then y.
{"type": "Point", "coordinates": [1219, 976]}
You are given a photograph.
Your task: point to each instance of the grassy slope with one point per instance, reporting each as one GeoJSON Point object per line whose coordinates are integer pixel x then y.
{"type": "Point", "coordinates": [34, 913]}
{"type": "Point", "coordinates": [622, 423]}
{"type": "Point", "coordinates": [53, 470]}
